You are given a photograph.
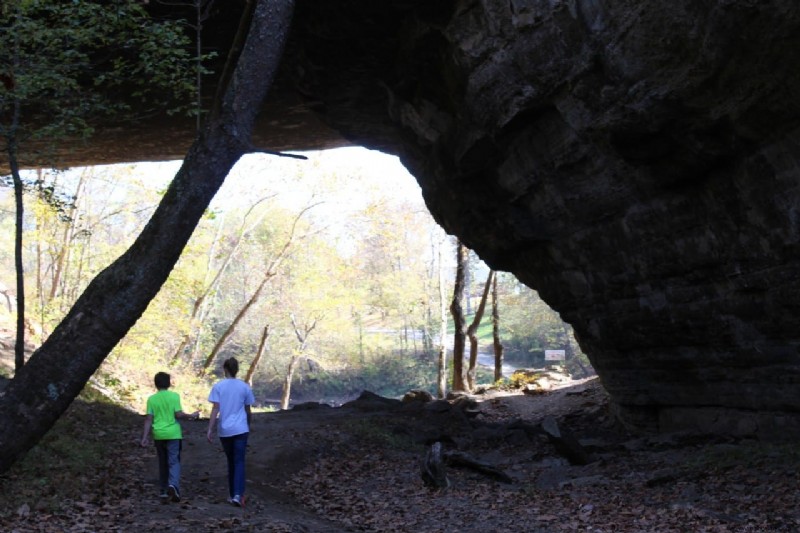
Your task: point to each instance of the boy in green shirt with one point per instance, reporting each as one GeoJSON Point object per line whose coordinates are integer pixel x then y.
{"type": "Point", "coordinates": [163, 410]}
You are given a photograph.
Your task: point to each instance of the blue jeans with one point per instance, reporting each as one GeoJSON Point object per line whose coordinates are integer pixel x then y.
{"type": "Point", "coordinates": [235, 448]}
{"type": "Point", "coordinates": [169, 463]}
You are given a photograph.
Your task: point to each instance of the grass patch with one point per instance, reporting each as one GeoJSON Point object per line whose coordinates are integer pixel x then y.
{"type": "Point", "coordinates": [75, 456]}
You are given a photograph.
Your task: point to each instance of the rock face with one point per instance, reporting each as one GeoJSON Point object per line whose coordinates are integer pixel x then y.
{"type": "Point", "coordinates": [637, 162]}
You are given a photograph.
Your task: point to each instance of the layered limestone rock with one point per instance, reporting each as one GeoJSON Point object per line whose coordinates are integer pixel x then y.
{"type": "Point", "coordinates": [634, 161]}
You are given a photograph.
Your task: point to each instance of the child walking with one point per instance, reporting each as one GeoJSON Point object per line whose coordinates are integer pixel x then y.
{"type": "Point", "coordinates": [163, 410]}
{"type": "Point", "coordinates": [230, 418]}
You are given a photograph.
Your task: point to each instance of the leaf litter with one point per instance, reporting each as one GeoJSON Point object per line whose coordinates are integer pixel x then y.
{"type": "Point", "coordinates": [353, 469]}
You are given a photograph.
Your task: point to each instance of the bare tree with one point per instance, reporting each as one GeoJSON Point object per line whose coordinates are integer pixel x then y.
{"type": "Point", "coordinates": [456, 309]}
{"type": "Point", "coordinates": [472, 333]}
{"type": "Point", "coordinates": [498, 346]}
{"type": "Point", "coordinates": [112, 303]}
{"type": "Point", "coordinates": [302, 335]}
{"type": "Point", "coordinates": [269, 273]}
{"type": "Point", "coordinates": [199, 308]}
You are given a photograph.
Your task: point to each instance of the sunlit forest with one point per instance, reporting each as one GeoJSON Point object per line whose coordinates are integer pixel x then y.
{"type": "Point", "coordinates": [323, 277]}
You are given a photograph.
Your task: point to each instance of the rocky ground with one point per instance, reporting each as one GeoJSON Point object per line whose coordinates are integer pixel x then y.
{"type": "Point", "coordinates": [357, 468]}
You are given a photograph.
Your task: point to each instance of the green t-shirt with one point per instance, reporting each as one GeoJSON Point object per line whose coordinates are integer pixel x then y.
{"type": "Point", "coordinates": [163, 405]}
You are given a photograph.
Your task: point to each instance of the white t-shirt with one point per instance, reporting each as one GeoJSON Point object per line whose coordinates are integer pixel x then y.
{"type": "Point", "coordinates": [232, 395]}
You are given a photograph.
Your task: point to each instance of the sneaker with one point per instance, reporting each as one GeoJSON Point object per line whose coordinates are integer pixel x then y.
{"type": "Point", "coordinates": [173, 493]}
{"type": "Point", "coordinates": [163, 497]}
{"type": "Point", "coordinates": [237, 501]}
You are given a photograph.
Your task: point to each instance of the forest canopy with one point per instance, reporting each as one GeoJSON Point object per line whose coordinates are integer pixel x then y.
{"type": "Point", "coordinates": [362, 263]}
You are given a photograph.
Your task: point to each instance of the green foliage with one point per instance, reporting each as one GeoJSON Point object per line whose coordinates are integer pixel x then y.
{"type": "Point", "coordinates": [485, 328]}
{"type": "Point", "coordinates": [520, 378]}
{"type": "Point", "coordinates": [71, 455]}
{"type": "Point", "coordinates": [377, 311]}
{"type": "Point", "coordinates": [387, 374]}
{"type": "Point", "coordinates": [392, 376]}
{"type": "Point", "coordinates": [65, 63]}
{"type": "Point", "coordinates": [529, 326]}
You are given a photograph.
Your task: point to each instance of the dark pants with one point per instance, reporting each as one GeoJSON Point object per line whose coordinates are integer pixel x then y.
{"type": "Point", "coordinates": [169, 463]}
{"type": "Point", "coordinates": [235, 448]}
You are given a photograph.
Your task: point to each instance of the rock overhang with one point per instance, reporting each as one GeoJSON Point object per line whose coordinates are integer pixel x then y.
{"type": "Point", "coordinates": [635, 162]}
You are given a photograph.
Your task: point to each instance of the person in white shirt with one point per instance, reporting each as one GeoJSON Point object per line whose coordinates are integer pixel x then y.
{"type": "Point", "coordinates": [230, 418]}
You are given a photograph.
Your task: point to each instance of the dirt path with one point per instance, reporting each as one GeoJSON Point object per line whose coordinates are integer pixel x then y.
{"type": "Point", "coordinates": [280, 445]}
{"type": "Point", "coordinates": [357, 468]}
{"type": "Point", "coordinates": [286, 444]}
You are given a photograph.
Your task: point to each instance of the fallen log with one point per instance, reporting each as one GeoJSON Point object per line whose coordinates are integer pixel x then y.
{"type": "Point", "coordinates": [459, 459]}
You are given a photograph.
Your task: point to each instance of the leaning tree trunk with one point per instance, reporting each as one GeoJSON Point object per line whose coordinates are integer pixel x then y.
{"type": "Point", "coordinates": [272, 270]}
{"type": "Point", "coordinates": [233, 325]}
{"type": "Point", "coordinates": [117, 297]}
{"type": "Point", "coordinates": [459, 336]}
{"type": "Point", "coordinates": [199, 309]}
{"type": "Point", "coordinates": [472, 333]}
{"type": "Point", "coordinates": [262, 346]}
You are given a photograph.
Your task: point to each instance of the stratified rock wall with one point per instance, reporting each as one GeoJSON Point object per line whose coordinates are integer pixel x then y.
{"type": "Point", "coordinates": [635, 161]}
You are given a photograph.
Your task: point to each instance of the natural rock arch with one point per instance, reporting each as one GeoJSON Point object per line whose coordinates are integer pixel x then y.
{"type": "Point", "coordinates": [635, 161]}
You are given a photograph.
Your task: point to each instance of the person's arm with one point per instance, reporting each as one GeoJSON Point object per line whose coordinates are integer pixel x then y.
{"type": "Point", "coordinates": [249, 417]}
{"type": "Point", "coordinates": [148, 423]}
{"type": "Point", "coordinates": [212, 421]}
{"type": "Point", "coordinates": [184, 416]}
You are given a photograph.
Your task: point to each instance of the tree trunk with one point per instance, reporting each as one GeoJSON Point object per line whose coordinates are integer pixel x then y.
{"type": "Point", "coordinates": [287, 382]}
{"type": "Point", "coordinates": [199, 309]}
{"type": "Point", "coordinates": [498, 346]}
{"type": "Point", "coordinates": [11, 147]}
{"type": "Point", "coordinates": [19, 345]}
{"type": "Point", "coordinates": [442, 362]}
{"type": "Point", "coordinates": [248, 378]}
{"type": "Point", "coordinates": [302, 338]}
{"type": "Point", "coordinates": [472, 333]}
{"type": "Point", "coordinates": [467, 285]}
{"type": "Point", "coordinates": [459, 336]}
{"type": "Point", "coordinates": [112, 303]}
{"type": "Point", "coordinates": [63, 255]}
{"type": "Point", "coordinates": [232, 326]}
{"type": "Point", "coordinates": [432, 468]}
{"type": "Point", "coordinates": [272, 269]}
{"type": "Point", "coordinates": [199, 306]}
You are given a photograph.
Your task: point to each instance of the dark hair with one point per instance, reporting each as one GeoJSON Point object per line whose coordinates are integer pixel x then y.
{"type": "Point", "coordinates": [162, 380]}
{"type": "Point", "coordinates": [231, 366]}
